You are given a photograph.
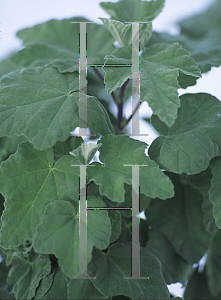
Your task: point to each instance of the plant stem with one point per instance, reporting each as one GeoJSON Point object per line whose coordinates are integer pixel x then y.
{"type": "Point", "coordinates": [133, 113]}
{"type": "Point", "coordinates": [102, 79]}
{"type": "Point", "coordinates": [120, 105]}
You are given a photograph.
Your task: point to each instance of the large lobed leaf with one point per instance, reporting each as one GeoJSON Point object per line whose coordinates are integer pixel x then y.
{"type": "Point", "coordinates": [200, 35]}
{"type": "Point", "coordinates": [160, 66]}
{"type": "Point", "coordinates": [43, 105]}
{"type": "Point", "coordinates": [56, 42]}
{"type": "Point", "coordinates": [110, 268]}
{"type": "Point", "coordinates": [112, 174]}
{"type": "Point", "coordinates": [193, 140]}
{"type": "Point", "coordinates": [30, 180]}
{"type": "Point", "coordinates": [180, 220]}
{"type": "Point", "coordinates": [61, 223]}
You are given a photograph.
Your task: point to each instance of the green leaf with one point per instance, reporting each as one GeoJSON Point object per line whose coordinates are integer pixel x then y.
{"type": "Point", "coordinates": [123, 32]}
{"type": "Point", "coordinates": [4, 269]}
{"type": "Point", "coordinates": [115, 218]}
{"type": "Point", "coordinates": [44, 286]}
{"type": "Point", "coordinates": [85, 152]}
{"type": "Point", "coordinates": [174, 267]}
{"type": "Point", "coordinates": [47, 110]}
{"type": "Point", "coordinates": [9, 146]}
{"type": "Point", "coordinates": [112, 174]}
{"type": "Point", "coordinates": [58, 290]}
{"type": "Point", "coordinates": [5, 295]}
{"type": "Point", "coordinates": [58, 46]}
{"type": "Point", "coordinates": [110, 268]}
{"type": "Point", "coordinates": [61, 223]}
{"type": "Point", "coordinates": [200, 25]}
{"type": "Point", "coordinates": [197, 287]}
{"type": "Point", "coordinates": [180, 220]}
{"type": "Point", "coordinates": [144, 202]}
{"type": "Point", "coordinates": [205, 51]}
{"type": "Point", "coordinates": [214, 192]}
{"type": "Point", "coordinates": [37, 55]}
{"type": "Point", "coordinates": [213, 264]}
{"type": "Point", "coordinates": [116, 76]}
{"type": "Point", "coordinates": [202, 182]}
{"type": "Point", "coordinates": [133, 11]}
{"type": "Point", "coordinates": [31, 181]}
{"type": "Point", "coordinates": [193, 140]}
{"type": "Point", "coordinates": [7, 66]}
{"type": "Point", "coordinates": [82, 289]}
{"type": "Point", "coordinates": [63, 148]}
{"type": "Point", "coordinates": [25, 275]}
{"type": "Point", "coordinates": [160, 66]}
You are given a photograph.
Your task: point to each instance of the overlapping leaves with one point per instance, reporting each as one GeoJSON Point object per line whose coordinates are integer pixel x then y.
{"type": "Point", "coordinates": [30, 180]}
{"type": "Point", "coordinates": [159, 68]}
{"type": "Point", "coordinates": [56, 43]}
{"type": "Point", "coordinates": [43, 105]}
{"type": "Point", "coordinates": [200, 35]}
{"type": "Point", "coordinates": [180, 220]}
{"type": "Point", "coordinates": [110, 268]}
{"type": "Point", "coordinates": [123, 32]}
{"type": "Point", "coordinates": [61, 223]}
{"type": "Point", "coordinates": [112, 174]}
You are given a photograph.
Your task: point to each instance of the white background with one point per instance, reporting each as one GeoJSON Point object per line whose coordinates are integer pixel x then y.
{"type": "Point", "coordinates": [19, 14]}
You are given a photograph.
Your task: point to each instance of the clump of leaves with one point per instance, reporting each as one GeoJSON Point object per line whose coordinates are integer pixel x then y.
{"type": "Point", "coordinates": [179, 189]}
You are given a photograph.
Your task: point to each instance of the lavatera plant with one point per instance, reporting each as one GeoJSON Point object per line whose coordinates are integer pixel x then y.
{"type": "Point", "coordinates": [179, 182]}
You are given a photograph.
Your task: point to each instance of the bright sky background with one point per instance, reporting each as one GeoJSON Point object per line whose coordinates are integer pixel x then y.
{"type": "Point", "coordinates": [18, 14]}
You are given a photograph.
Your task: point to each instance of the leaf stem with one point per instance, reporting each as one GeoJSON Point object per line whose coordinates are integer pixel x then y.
{"type": "Point", "coordinates": [102, 79]}
{"type": "Point", "coordinates": [120, 105]}
{"type": "Point", "coordinates": [131, 116]}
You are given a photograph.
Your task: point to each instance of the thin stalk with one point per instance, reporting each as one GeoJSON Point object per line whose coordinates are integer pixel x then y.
{"type": "Point", "coordinates": [102, 79]}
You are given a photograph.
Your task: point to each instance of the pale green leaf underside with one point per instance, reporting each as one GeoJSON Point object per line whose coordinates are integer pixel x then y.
{"type": "Point", "coordinates": [110, 268]}
{"type": "Point", "coordinates": [133, 10]}
{"type": "Point", "coordinates": [85, 152]}
{"type": "Point", "coordinates": [60, 223]}
{"type": "Point", "coordinates": [194, 139]}
{"type": "Point", "coordinates": [112, 174]}
{"type": "Point", "coordinates": [43, 105]}
{"type": "Point", "coordinates": [123, 32]}
{"type": "Point", "coordinates": [31, 181]}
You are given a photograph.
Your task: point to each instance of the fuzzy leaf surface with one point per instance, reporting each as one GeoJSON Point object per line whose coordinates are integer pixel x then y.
{"type": "Point", "coordinates": [180, 220]}
{"type": "Point", "coordinates": [193, 140]}
{"type": "Point", "coordinates": [112, 174]}
{"type": "Point", "coordinates": [160, 66]}
{"type": "Point", "coordinates": [43, 105]}
{"type": "Point", "coordinates": [110, 268]}
{"type": "Point", "coordinates": [54, 42]}
{"type": "Point", "coordinates": [30, 181]}
{"type": "Point", "coordinates": [25, 275]}
{"type": "Point", "coordinates": [61, 223]}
